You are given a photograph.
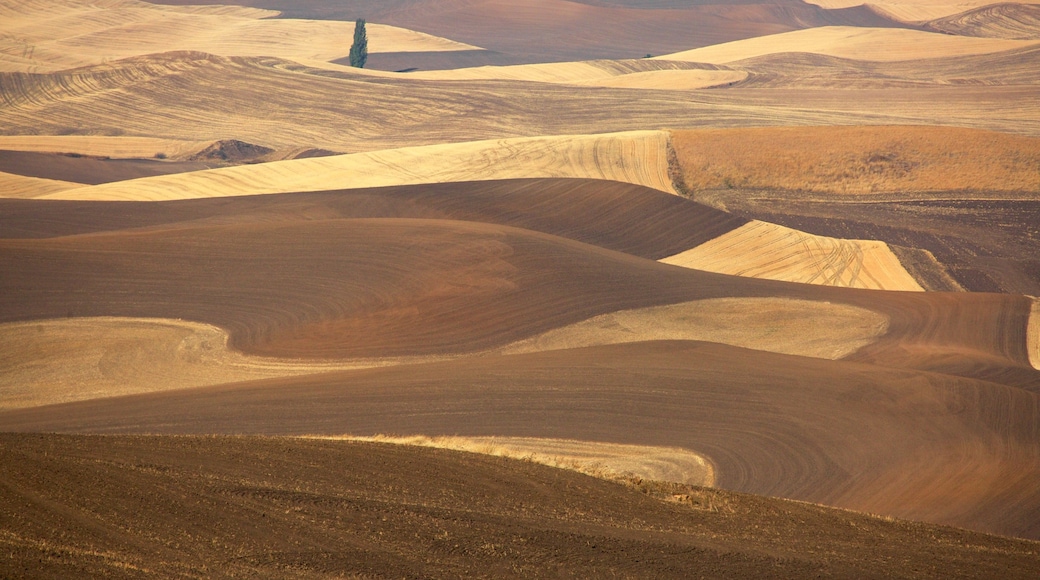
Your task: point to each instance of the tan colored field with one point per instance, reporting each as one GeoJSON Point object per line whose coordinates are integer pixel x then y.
{"type": "Point", "coordinates": [209, 225]}
{"type": "Point", "coordinates": [121, 147]}
{"type": "Point", "coordinates": [1033, 336]}
{"type": "Point", "coordinates": [773, 252]}
{"type": "Point", "coordinates": [79, 33]}
{"type": "Point", "coordinates": [782, 325]}
{"type": "Point", "coordinates": [20, 186]}
{"type": "Point", "coordinates": [634, 74]}
{"type": "Point", "coordinates": [63, 360]}
{"type": "Point", "coordinates": [75, 359]}
{"type": "Point", "coordinates": [859, 160]}
{"type": "Point", "coordinates": [916, 10]}
{"type": "Point", "coordinates": [873, 44]}
{"type": "Point", "coordinates": [638, 157]}
{"type": "Point", "coordinates": [595, 458]}
{"type": "Point", "coordinates": [282, 105]}
{"type": "Point", "coordinates": [1005, 20]}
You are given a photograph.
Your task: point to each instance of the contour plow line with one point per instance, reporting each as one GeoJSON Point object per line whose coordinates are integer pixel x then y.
{"type": "Point", "coordinates": [763, 250]}
{"type": "Point", "coordinates": [637, 157]}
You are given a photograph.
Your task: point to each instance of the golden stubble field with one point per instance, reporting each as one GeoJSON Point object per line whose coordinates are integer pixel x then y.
{"type": "Point", "coordinates": [793, 257]}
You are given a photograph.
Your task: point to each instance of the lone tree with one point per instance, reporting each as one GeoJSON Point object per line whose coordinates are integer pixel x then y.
{"type": "Point", "coordinates": [359, 50]}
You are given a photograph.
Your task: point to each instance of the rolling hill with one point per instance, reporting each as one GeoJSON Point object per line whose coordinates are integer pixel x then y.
{"type": "Point", "coordinates": [778, 279]}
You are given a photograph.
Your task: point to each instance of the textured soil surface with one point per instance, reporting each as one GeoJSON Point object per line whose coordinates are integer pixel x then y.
{"type": "Point", "coordinates": [204, 507]}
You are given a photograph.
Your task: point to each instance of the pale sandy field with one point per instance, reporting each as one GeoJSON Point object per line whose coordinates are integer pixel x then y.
{"type": "Point", "coordinates": [637, 74]}
{"type": "Point", "coordinates": [65, 360]}
{"type": "Point", "coordinates": [21, 186]}
{"type": "Point", "coordinates": [815, 368]}
{"type": "Point", "coordinates": [869, 44]}
{"type": "Point", "coordinates": [59, 361]}
{"type": "Point", "coordinates": [638, 157]}
{"type": "Point", "coordinates": [787, 326]}
{"type": "Point", "coordinates": [599, 459]}
{"type": "Point", "coordinates": [80, 34]}
{"type": "Point", "coordinates": [114, 147]}
{"type": "Point", "coordinates": [916, 10]}
{"type": "Point", "coordinates": [763, 250]}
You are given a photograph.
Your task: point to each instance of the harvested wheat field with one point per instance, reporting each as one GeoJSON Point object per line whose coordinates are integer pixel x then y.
{"type": "Point", "coordinates": [873, 44]}
{"type": "Point", "coordinates": [521, 297]}
{"type": "Point", "coordinates": [967, 199]}
{"type": "Point", "coordinates": [898, 161]}
{"type": "Point", "coordinates": [79, 34]}
{"type": "Point", "coordinates": [919, 10]}
{"type": "Point", "coordinates": [636, 157]}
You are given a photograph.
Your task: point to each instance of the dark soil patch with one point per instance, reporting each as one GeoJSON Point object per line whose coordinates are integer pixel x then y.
{"type": "Point", "coordinates": [164, 507]}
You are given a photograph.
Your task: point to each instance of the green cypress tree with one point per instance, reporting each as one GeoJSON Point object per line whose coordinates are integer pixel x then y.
{"type": "Point", "coordinates": [359, 50]}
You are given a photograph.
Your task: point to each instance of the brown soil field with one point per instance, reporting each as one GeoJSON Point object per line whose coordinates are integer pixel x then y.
{"type": "Point", "coordinates": [617, 216]}
{"type": "Point", "coordinates": [89, 170]}
{"type": "Point", "coordinates": [272, 508]}
{"type": "Point", "coordinates": [910, 444]}
{"type": "Point", "coordinates": [859, 160]}
{"type": "Point", "coordinates": [214, 233]}
{"type": "Point", "coordinates": [292, 276]}
{"type": "Point", "coordinates": [639, 157]}
{"type": "Point", "coordinates": [983, 245]}
{"type": "Point", "coordinates": [604, 460]}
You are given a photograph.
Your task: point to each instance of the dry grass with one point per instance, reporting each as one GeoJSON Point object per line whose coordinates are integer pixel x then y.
{"type": "Point", "coordinates": [764, 250]}
{"type": "Point", "coordinates": [787, 326]}
{"type": "Point", "coordinates": [113, 147]}
{"type": "Point", "coordinates": [638, 157]}
{"type": "Point", "coordinates": [632, 74]}
{"type": "Point", "coordinates": [1013, 21]}
{"type": "Point", "coordinates": [80, 33]}
{"type": "Point", "coordinates": [871, 44]}
{"type": "Point", "coordinates": [858, 160]}
{"type": "Point", "coordinates": [58, 361]}
{"type": "Point", "coordinates": [916, 10]}
{"type": "Point", "coordinates": [618, 462]}
{"type": "Point", "coordinates": [20, 186]}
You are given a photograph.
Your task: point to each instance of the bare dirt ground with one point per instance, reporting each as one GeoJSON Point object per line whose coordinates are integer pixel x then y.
{"type": "Point", "coordinates": [903, 149]}
{"type": "Point", "coordinates": [88, 170]}
{"type": "Point", "coordinates": [966, 197]}
{"type": "Point", "coordinates": [918, 445]}
{"type": "Point", "coordinates": [612, 461]}
{"type": "Point", "coordinates": [302, 276]}
{"type": "Point", "coordinates": [276, 508]}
